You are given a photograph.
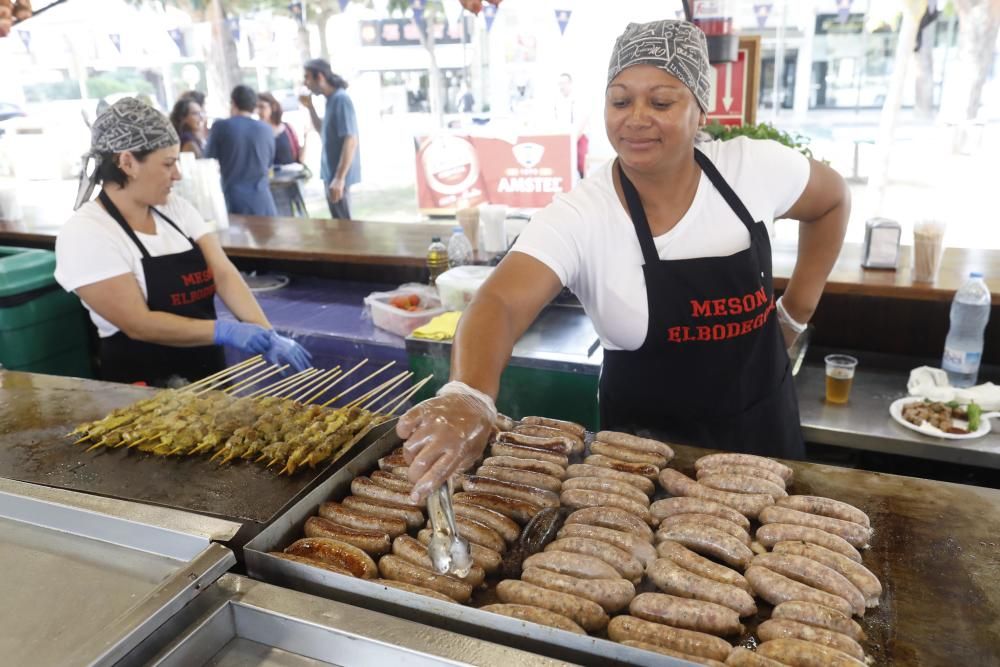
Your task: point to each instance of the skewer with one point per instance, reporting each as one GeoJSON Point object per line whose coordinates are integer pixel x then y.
{"type": "Point", "coordinates": [229, 378]}
{"type": "Point", "coordinates": [317, 380]}
{"type": "Point", "coordinates": [356, 385]}
{"type": "Point", "coordinates": [225, 371]}
{"type": "Point", "coordinates": [255, 379]}
{"type": "Point", "coordinates": [406, 395]}
{"type": "Point", "coordinates": [388, 390]}
{"type": "Point", "coordinates": [283, 383]}
{"type": "Point", "coordinates": [331, 380]}
{"type": "Point", "coordinates": [223, 376]}
{"type": "Point", "coordinates": [283, 392]}
{"type": "Point", "coordinates": [371, 392]}
{"type": "Point", "coordinates": [340, 378]}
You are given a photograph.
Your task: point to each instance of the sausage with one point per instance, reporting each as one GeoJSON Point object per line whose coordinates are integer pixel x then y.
{"type": "Point", "coordinates": [523, 452]}
{"type": "Point", "coordinates": [524, 612]}
{"type": "Point", "coordinates": [748, 504]}
{"type": "Point", "coordinates": [526, 477]}
{"type": "Point", "coordinates": [350, 518]}
{"type": "Point", "coordinates": [371, 542]}
{"type": "Point", "coordinates": [412, 588]}
{"type": "Point", "coordinates": [480, 534]}
{"type": "Point", "coordinates": [537, 533]}
{"type": "Point", "coordinates": [366, 488]}
{"type": "Point", "coordinates": [662, 650]}
{"type": "Point", "coordinates": [671, 578]}
{"type": "Point", "coordinates": [586, 613]}
{"type": "Point", "coordinates": [532, 465]}
{"type": "Point", "coordinates": [811, 613]}
{"type": "Point", "coordinates": [777, 588]}
{"type": "Point", "coordinates": [855, 534]}
{"type": "Point", "coordinates": [689, 560]}
{"type": "Point", "coordinates": [709, 520]}
{"type": "Point", "coordinates": [485, 558]}
{"type": "Point", "coordinates": [504, 423]}
{"type": "Point", "coordinates": [750, 471]}
{"type": "Point", "coordinates": [560, 444]}
{"type": "Point", "coordinates": [548, 432]}
{"type": "Point", "coordinates": [710, 541]}
{"type": "Point", "coordinates": [744, 657]}
{"type": "Point", "coordinates": [393, 459]}
{"type": "Point", "coordinates": [661, 509]}
{"type": "Point", "coordinates": [572, 428]}
{"type": "Point", "coordinates": [635, 545]}
{"type": "Point", "coordinates": [627, 565]}
{"type": "Point", "coordinates": [410, 549]}
{"type": "Point", "coordinates": [312, 563]}
{"type": "Point", "coordinates": [518, 510]}
{"type": "Point", "coordinates": [612, 594]}
{"type": "Point", "coordinates": [798, 653]}
{"type": "Point", "coordinates": [391, 481]}
{"type": "Point", "coordinates": [506, 527]}
{"type": "Point", "coordinates": [685, 613]}
{"type": "Point", "coordinates": [856, 573]}
{"type": "Point", "coordinates": [540, 497]}
{"type": "Point", "coordinates": [743, 484]}
{"type": "Point", "coordinates": [335, 552]}
{"type": "Point", "coordinates": [636, 443]}
{"type": "Point", "coordinates": [399, 569]}
{"type": "Point", "coordinates": [834, 509]}
{"type": "Point", "coordinates": [729, 458]}
{"type": "Point", "coordinates": [815, 574]}
{"type": "Point", "coordinates": [585, 470]}
{"type": "Point", "coordinates": [772, 533]}
{"type": "Point", "coordinates": [777, 628]}
{"type": "Point", "coordinates": [613, 518]}
{"type": "Point", "coordinates": [628, 455]}
{"type": "Point", "coordinates": [607, 485]}
{"type": "Point", "coordinates": [647, 470]}
{"type": "Point", "coordinates": [411, 514]}
{"type": "Point", "coordinates": [572, 564]}
{"type": "Point", "coordinates": [624, 628]}
{"type": "Point", "coordinates": [578, 498]}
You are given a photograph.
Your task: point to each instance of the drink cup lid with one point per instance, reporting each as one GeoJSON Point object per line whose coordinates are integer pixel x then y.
{"type": "Point", "coordinates": [976, 274]}
{"type": "Point", "coordinates": [435, 239]}
{"type": "Point", "coordinates": [456, 229]}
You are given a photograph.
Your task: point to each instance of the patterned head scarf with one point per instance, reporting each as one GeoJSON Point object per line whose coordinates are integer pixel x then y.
{"type": "Point", "coordinates": [127, 125]}
{"type": "Point", "coordinates": [677, 47]}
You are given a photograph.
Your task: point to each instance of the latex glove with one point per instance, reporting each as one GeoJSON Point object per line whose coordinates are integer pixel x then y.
{"type": "Point", "coordinates": [445, 435]}
{"type": "Point", "coordinates": [790, 329]}
{"type": "Point", "coordinates": [286, 351]}
{"type": "Point", "coordinates": [251, 338]}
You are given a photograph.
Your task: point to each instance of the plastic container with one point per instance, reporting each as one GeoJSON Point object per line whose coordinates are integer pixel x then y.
{"type": "Point", "coordinates": [458, 286]}
{"type": "Point", "coordinates": [963, 348]}
{"type": "Point", "coordinates": [437, 259]}
{"type": "Point", "coordinates": [397, 320]}
{"type": "Point", "coordinates": [459, 249]}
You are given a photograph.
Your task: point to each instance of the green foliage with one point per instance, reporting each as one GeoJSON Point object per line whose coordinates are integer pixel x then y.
{"type": "Point", "coordinates": [799, 142]}
{"type": "Point", "coordinates": [56, 90]}
{"type": "Point", "coordinates": [110, 83]}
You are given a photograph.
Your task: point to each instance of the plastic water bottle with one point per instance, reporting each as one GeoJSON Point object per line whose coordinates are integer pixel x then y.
{"type": "Point", "coordinates": [459, 248]}
{"type": "Point", "coordinates": [963, 348]}
{"type": "Point", "coordinates": [437, 259]}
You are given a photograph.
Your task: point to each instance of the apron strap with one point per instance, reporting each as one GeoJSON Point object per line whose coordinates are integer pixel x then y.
{"type": "Point", "coordinates": [639, 221]}
{"type": "Point", "coordinates": [113, 211]}
{"type": "Point", "coordinates": [735, 203]}
{"type": "Point", "coordinates": [172, 224]}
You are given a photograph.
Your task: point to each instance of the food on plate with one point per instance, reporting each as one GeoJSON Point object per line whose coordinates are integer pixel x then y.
{"type": "Point", "coordinates": [944, 416]}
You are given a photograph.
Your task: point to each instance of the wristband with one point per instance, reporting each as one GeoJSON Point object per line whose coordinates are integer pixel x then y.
{"type": "Point", "coordinates": [786, 319]}
{"type": "Point", "coordinates": [455, 387]}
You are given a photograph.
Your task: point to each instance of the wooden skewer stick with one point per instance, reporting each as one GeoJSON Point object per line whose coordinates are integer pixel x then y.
{"type": "Point", "coordinates": [285, 390]}
{"type": "Point", "coordinates": [316, 381]}
{"type": "Point", "coordinates": [329, 382]}
{"type": "Point", "coordinates": [371, 392]}
{"type": "Point", "coordinates": [340, 379]}
{"type": "Point", "coordinates": [388, 390]}
{"type": "Point", "coordinates": [283, 383]}
{"type": "Point", "coordinates": [407, 395]}
{"type": "Point", "coordinates": [356, 385]}
{"type": "Point", "coordinates": [229, 378]}
{"type": "Point", "coordinates": [254, 380]}
{"type": "Point", "coordinates": [224, 372]}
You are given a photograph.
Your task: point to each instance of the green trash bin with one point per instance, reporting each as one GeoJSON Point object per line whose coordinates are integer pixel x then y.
{"type": "Point", "coordinates": [43, 329]}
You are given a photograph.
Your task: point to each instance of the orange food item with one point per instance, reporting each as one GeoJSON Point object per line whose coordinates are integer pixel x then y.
{"type": "Point", "coordinates": [408, 302]}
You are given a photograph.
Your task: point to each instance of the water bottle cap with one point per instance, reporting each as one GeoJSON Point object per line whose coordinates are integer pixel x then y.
{"type": "Point", "coordinates": [976, 274]}
{"type": "Point", "coordinates": [456, 229]}
{"type": "Point", "coordinates": [435, 239]}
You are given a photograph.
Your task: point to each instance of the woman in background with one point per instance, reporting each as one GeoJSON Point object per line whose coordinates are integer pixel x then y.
{"type": "Point", "coordinates": [286, 144]}
{"type": "Point", "coordinates": [188, 119]}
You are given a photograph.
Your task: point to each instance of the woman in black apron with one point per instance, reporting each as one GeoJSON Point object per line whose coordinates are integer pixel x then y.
{"type": "Point", "coordinates": [174, 335]}
{"type": "Point", "coordinates": [712, 369]}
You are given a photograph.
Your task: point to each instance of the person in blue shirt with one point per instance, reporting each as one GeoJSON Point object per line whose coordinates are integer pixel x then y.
{"type": "Point", "coordinates": [340, 166]}
{"type": "Point", "coordinates": [244, 148]}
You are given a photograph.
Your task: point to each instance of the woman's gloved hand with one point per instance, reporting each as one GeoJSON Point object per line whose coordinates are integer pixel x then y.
{"type": "Point", "coordinates": [445, 435]}
{"type": "Point", "coordinates": [251, 338]}
{"type": "Point", "coordinates": [286, 351]}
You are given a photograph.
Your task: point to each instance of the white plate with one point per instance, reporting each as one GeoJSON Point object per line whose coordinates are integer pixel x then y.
{"type": "Point", "coordinates": [896, 410]}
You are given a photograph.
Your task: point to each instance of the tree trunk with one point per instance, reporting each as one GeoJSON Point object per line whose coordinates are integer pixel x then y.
{"type": "Point", "coordinates": [978, 21]}
{"type": "Point", "coordinates": [302, 37]}
{"type": "Point", "coordinates": [223, 61]}
{"type": "Point", "coordinates": [434, 79]}
{"type": "Point", "coordinates": [924, 94]}
{"type": "Point", "coordinates": [323, 23]}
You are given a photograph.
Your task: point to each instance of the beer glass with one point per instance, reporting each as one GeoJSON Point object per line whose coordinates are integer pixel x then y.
{"type": "Point", "coordinates": [839, 377]}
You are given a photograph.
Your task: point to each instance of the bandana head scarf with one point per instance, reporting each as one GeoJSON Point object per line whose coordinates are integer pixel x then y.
{"type": "Point", "coordinates": [677, 47]}
{"type": "Point", "coordinates": [127, 125]}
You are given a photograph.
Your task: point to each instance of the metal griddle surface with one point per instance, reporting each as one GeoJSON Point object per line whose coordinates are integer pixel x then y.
{"type": "Point", "coordinates": [37, 411]}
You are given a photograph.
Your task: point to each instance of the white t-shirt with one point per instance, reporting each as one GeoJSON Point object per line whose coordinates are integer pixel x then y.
{"type": "Point", "coordinates": [586, 236]}
{"type": "Point", "coordinates": [92, 247]}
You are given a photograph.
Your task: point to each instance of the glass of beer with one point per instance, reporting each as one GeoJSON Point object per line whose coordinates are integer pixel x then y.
{"type": "Point", "coordinates": [839, 377]}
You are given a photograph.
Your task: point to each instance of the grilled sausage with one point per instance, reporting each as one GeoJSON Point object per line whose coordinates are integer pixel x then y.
{"type": "Point", "coordinates": [834, 509]}
{"type": "Point", "coordinates": [412, 588]}
{"type": "Point", "coordinates": [855, 534]}
{"type": "Point", "coordinates": [798, 653]}
{"type": "Point", "coordinates": [662, 650]}
{"type": "Point", "coordinates": [817, 615]}
{"type": "Point", "coordinates": [777, 628]}
{"type": "Point", "coordinates": [812, 573]}
{"type": "Point", "coordinates": [635, 442]}
{"type": "Point", "coordinates": [586, 470]}
{"type": "Point", "coordinates": [612, 594]}
{"type": "Point", "coordinates": [678, 484]}
{"type": "Point", "coordinates": [743, 484]}
{"type": "Point", "coordinates": [480, 534]}
{"type": "Point", "coordinates": [391, 481]}
{"type": "Point", "coordinates": [647, 470]}
{"type": "Point", "coordinates": [607, 485]}
{"type": "Point", "coordinates": [393, 459]}
{"type": "Point", "coordinates": [371, 542]}
{"type": "Point", "coordinates": [485, 558]}
{"type": "Point", "coordinates": [709, 520]}
{"type": "Point", "coordinates": [671, 578]}
{"type": "Point", "coordinates": [518, 510]}
{"type": "Point", "coordinates": [572, 564]}
{"type": "Point", "coordinates": [779, 469]}
{"type": "Point", "coordinates": [412, 550]}
{"type": "Point", "coordinates": [661, 509]}
{"type": "Point", "coordinates": [530, 494]}
{"type": "Point", "coordinates": [772, 533]}
{"type": "Point", "coordinates": [504, 525]}
{"type": "Point", "coordinates": [777, 588]}
{"type": "Point", "coordinates": [572, 428]}
{"type": "Point", "coordinates": [586, 613]}
{"type": "Point", "coordinates": [537, 533]}
{"type": "Point", "coordinates": [628, 455]}
{"type": "Point", "coordinates": [613, 518]}
{"type": "Point", "coordinates": [751, 471]}
{"type": "Point", "coordinates": [312, 563]}
{"type": "Point", "coordinates": [526, 477]}
{"type": "Point", "coordinates": [366, 488]}
{"type": "Point", "coordinates": [411, 514]}
{"type": "Point", "coordinates": [504, 423]}
{"type": "Point", "coordinates": [345, 516]}
{"type": "Point", "coordinates": [335, 552]}
{"type": "Point", "coordinates": [548, 432]}
{"type": "Point", "coordinates": [531, 465]}
{"type": "Point", "coordinates": [744, 657]}
{"type": "Point", "coordinates": [523, 452]}
{"type": "Point", "coordinates": [635, 545]}
{"type": "Point", "coordinates": [399, 569]}
{"type": "Point", "coordinates": [579, 498]}
{"type": "Point", "coordinates": [710, 541]}
{"type": "Point", "coordinates": [685, 613]}
{"type": "Point", "coordinates": [856, 573]}
{"type": "Point", "coordinates": [560, 444]}
{"type": "Point", "coordinates": [627, 565]}
{"type": "Point", "coordinates": [689, 560]}
{"type": "Point", "coordinates": [624, 628]}
{"type": "Point", "coordinates": [524, 612]}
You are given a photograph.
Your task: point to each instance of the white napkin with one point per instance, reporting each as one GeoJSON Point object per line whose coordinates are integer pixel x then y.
{"type": "Point", "coordinates": [932, 383]}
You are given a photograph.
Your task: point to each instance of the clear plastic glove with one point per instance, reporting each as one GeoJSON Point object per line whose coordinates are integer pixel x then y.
{"type": "Point", "coordinates": [286, 351]}
{"type": "Point", "coordinates": [445, 435]}
{"type": "Point", "coordinates": [251, 338]}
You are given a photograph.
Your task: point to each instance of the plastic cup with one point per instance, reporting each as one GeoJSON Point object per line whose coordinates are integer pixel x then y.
{"type": "Point", "coordinates": [494, 217]}
{"type": "Point", "coordinates": [928, 246]}
{"type": "Point", "coordinates": [839, 377]}
{"type": "Point", "coordinates": [468, 218]}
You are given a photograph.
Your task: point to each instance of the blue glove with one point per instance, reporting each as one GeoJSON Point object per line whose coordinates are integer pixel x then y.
{"type": "Point", "coordinates": [287, 351]}
{"type": "Point", "coordinates": [251, 338]}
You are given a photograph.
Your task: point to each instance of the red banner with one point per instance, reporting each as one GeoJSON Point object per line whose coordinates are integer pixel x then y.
{"type": "Point", "coordinates": [455, 170]}
{"type": "Point", "coordinates": [729, 91]}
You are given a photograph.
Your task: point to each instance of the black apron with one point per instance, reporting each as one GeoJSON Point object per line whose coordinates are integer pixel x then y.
{"type": "Point", "coordinates": [713, 370]}
{"type": "Point", "coordinates": [181, 284]}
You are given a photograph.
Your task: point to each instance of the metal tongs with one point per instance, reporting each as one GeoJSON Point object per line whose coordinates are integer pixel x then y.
{"type": "Point", "coordinates": [449, 551]}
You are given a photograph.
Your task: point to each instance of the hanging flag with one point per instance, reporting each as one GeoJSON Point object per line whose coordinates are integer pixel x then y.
{"type": "Point", "coordinates": [343, 4]}
{"type": "Point", "coordinates": [25, 39]}
{"type": "Point", "coordinates": [762, 10]}
{"type": "Point", "coordinates": [490, 14]}
{"type": "Point", "coordinates": [234, 28]}
{"type": "Point", "coordinates": [178, 36]}
{"type": "Point", "coordinates": [843, 10]}
{"type": "Point", "coordinates": [562, 17]}
{"type": "Point", "coordinates": [417, 6]}
{"type": "Point", "coordinates": [116, 39]}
